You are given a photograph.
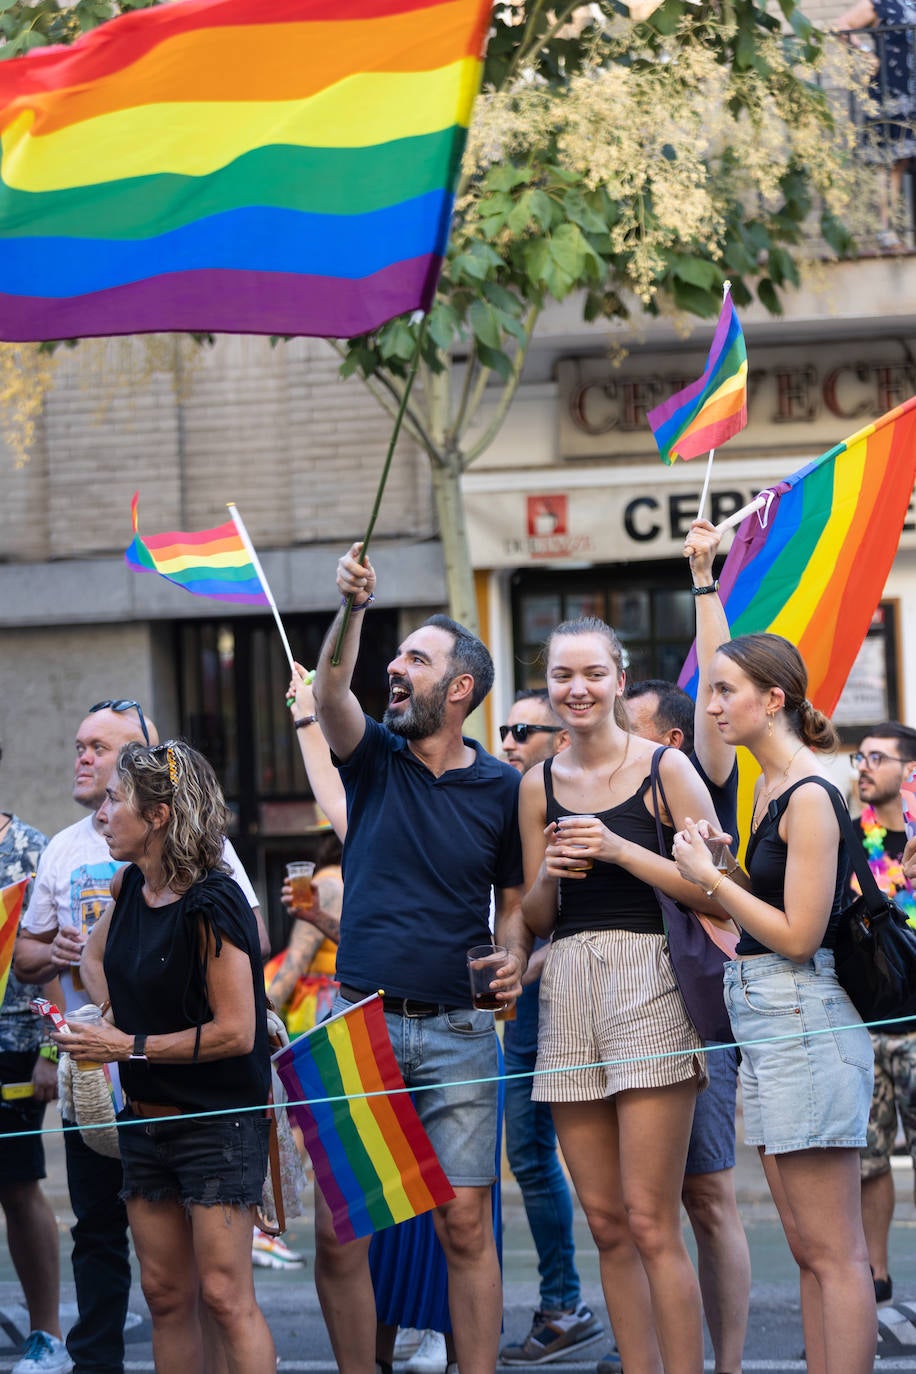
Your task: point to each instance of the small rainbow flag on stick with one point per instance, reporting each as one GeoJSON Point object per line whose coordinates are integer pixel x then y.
{"type": "Point", "coordinates": [372, 1158]}
{"type": "Point", "coordinates": [710, 411]}
{"type": "Point", "coordinates": [281, 168]}
{"type": "Point", "coordinates": [215, 563]}
{"type": "Point", "coordinates": [11, 899]}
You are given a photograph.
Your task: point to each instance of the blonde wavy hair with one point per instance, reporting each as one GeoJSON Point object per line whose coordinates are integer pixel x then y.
{"type": "Point", "coordinates": [177, 776]}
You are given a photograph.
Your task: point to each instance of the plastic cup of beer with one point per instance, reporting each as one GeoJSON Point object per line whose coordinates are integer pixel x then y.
{"type": "Point", "coordinates": [89, 1015]}
{"type": "Point", "coordinates": [483, 961]}
{"type": "Point", "coordinates": [300, 880]}
{"type": "Point", "coordinates": [720, 854]}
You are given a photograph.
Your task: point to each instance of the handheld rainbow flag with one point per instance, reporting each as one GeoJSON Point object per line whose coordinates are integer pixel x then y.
{"type": "Point", "coordinates": [812, 565]}
{"type": "Point", "coordinates": [230, 165]}
{"type": "Point", "coordinates": [213, 563]}
{"type": "Point", "coordinates": [705, 414]}
{"type": "Point", "coordinates": [11, 900]}
{"type": "Point", "coordinates": [372, 1158]}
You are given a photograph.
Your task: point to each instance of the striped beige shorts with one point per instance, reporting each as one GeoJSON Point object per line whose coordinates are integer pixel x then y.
{"type": "Point", "coordinates": [612, 1018]}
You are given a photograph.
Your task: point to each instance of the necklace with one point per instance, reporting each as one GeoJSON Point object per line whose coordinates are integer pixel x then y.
{"type": "Point", "coordinates": [885, 867]}
{"type": "Point", "coordinates": [764, 798]}
{"type": "Point", "coordinates": [613, 774]}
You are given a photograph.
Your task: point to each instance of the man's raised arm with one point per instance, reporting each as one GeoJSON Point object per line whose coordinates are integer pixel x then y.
{"type": "Point", "coordinates": [339, 713]}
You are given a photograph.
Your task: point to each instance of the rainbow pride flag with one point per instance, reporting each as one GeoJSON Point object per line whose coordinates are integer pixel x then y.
{"type": "Point", "coordinates": [282, 168]}
{"type": "Point", "coordinates": [372, 1158]}
{"type": "Point", "coordinates": [11, 899]}
{"type": "Point", "coordinates": [209, 563]}
{"type": "Point", "coordinates": [812, 564]}
{"type": "Point", "coordinates": [714, 408]}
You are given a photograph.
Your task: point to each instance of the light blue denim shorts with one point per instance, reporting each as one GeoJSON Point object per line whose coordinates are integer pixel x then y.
{"type": "Point", "coordinates": [458, 1047]}
{"type": "Point", "coordinates": [810, 1087]}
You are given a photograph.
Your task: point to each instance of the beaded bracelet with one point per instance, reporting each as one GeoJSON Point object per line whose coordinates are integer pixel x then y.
{"type": "Point", "coordinates": [358, 607]}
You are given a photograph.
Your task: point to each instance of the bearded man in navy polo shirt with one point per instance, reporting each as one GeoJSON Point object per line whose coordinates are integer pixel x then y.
{"type": "Point", "coordinates": [432, 828]}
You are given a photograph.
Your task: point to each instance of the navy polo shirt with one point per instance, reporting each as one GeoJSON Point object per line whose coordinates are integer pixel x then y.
{"type": "Point", "coordinates": [420, 858]}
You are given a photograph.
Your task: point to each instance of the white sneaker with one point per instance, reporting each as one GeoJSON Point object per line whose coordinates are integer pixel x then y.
{"type": "Point", "coordinates": [43, 1354]}
{"type": "Point", "coordinates": [431, 1357]}
{"type": "Point", "coordinates": [407, 1342]}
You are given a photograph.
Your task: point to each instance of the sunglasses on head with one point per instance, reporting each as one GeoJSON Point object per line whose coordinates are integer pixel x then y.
{"type": "Point", "coordinates": [122, 705]}
{"type": "Point", "coordinates": [521, 732]}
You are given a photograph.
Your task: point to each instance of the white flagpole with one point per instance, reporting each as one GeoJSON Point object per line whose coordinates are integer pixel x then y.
{"type": "Point", "coordinates": [705, 491]}
{"type": "Point", "coordinates": [737, 516]}
{"type": "Point", "coordinates": [256, 562]}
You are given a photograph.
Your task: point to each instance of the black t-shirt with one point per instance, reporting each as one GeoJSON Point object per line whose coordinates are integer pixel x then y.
{"type": "Point", "coordinates": [157, 983]}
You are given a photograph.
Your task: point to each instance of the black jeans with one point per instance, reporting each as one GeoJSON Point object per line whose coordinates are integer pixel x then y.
{"type": "Point", "coordinates": [101, 1259]}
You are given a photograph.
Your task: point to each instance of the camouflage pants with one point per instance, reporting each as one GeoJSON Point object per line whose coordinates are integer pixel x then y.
{"type": "Point", "coordinates": [895, 1091]}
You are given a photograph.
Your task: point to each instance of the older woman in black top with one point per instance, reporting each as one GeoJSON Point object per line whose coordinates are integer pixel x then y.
{"type": "Point", "coordinates": [183, 971]}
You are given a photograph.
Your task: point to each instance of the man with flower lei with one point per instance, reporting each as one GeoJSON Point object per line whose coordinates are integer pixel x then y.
{"type": "Point", "coordinates": [883, 760]}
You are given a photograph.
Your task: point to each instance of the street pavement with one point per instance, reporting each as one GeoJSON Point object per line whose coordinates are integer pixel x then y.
{"type": "Point", "coordinates": [289, 1302]}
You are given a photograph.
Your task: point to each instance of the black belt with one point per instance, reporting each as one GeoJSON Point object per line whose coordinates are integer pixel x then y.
{"type": "Point", "coordinates": [400, 1006]}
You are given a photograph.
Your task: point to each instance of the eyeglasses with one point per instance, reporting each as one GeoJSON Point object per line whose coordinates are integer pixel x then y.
{"type": "Point", "coordinates": [874, 758]}
{"type": "Point", "coordinates": [122, 705]}
{"type": "Point", "coordinates": [521, 732]}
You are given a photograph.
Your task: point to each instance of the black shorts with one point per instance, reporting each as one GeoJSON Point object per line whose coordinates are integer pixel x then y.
{"type": "Point", "coordinates": [22, 1157]}
{"type": "Point", "coordinates": [195, 1160]}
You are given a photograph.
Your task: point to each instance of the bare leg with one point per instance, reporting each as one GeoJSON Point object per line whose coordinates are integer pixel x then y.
{"type": "Point", "coordinates": [817, 1193]}
{"type": "Point", "coordinates": [724, 1262]}
{"type": "Point", "coordinates": [168, 1276]}
{"type": "Point", "coordinates": [878, 1200]}
{"type": "Point", "coordinates": [34, 1245]}
{"type": "Point", "coordinates": [222, 1247]}
{"type": "Point", "coordinates": [344, 1287]}
{"type": "Point", "coordinates": [475, 1297]}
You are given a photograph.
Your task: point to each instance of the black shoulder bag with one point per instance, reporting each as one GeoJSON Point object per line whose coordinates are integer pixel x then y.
{"type": "Point", "coordinates": [696, 959]}
{"type": "Point", "coordinates": [875, 948]}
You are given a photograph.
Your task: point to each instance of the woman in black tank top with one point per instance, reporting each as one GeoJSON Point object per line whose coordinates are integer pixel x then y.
{"type": "Point", "coordinates": [807, 1064]}
{"type": "Point", "coordinates": [618, 1059]}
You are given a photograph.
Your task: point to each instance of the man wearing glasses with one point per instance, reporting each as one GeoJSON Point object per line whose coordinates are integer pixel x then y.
{"type": "Point", "coordinates": [71, 890]}
{"type": "Point", "coordinates": [882, 762]}
{"type": "Point", "coordinates": [563, 1323]}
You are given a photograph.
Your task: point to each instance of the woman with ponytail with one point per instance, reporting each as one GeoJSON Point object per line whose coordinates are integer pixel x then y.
{"type": "Point", "coordinates": [188, 1023]}
{"type": "Point", "coordinates": [618, 1058]}
{"type": "Point", "coordinates": [807, 1065]}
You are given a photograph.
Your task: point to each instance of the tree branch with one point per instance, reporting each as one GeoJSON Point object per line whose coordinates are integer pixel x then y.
{"type": "Point", "coordinates": [508, 395]}
{"type": "Point", "coordinates": [377, 385]}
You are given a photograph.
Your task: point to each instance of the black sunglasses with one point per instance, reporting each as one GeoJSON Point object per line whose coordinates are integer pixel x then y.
{"type": "Point", "coordinates": [521, 732]}
{"type": "Point", "coordinates": [123, 705]}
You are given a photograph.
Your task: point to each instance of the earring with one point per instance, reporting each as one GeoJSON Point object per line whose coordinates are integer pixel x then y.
{"type": "Point", "coordinates": [769, 723]}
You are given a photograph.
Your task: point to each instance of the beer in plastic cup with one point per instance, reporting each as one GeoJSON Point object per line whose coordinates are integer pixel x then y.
{"type": "Point", "coordinates": [483, 961]}
{"type": "Point", "coordinates": [89, 1015]}
{"type": "Point", "coordinates": [300, 880]}
{"type": "Point", "coordinates": [720, 854]}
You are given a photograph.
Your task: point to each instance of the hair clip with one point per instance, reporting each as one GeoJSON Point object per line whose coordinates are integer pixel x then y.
{"type": "Point", "coordinates": [173, 765]}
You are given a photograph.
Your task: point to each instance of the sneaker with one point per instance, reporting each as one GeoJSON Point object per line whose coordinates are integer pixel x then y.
{"type": "Point", "coordinates": [552, 1335]}
{"type": "Point", "coordinates": [430, 1356]}
{"type": "Point", "coordinates": [43, 1354]}
{"type": "Point", "coordinates": [269, 1252]}
{"type": "Point", "coordinates": [610, 1363]}
{"type": "Point", "coordinates": [452, 1368]}
{"type": "Point", "coordinates": [884, 1290]}
{"type": "Point", "coordinates": [406, 1342]}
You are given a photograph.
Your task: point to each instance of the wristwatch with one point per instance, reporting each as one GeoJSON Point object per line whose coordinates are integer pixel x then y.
{"type": "Point", "coordinates": [139, 1049]}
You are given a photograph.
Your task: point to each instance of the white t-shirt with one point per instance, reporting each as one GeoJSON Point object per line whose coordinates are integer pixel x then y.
{"type": "Point", "coordinates": [73, 886]}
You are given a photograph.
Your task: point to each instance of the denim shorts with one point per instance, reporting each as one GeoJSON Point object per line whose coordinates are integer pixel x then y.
{"type": "Point", "coordinates": [457, 1048]}
{"type": "Point", "coordinates": [811, 1086]}
{"type": "Point", "coordinates": [712, 1139]}
{"type": "Point", "coordinates": [205, 1161]}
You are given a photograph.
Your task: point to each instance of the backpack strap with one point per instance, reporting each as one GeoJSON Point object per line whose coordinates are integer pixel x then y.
{"type": "Point", "coordinates": [875, 899]}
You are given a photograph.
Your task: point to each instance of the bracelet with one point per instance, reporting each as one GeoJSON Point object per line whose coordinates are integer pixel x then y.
{"type": "Point", "coordinates": [706, 591]}
{"type": "Point", "coordinates": [358, 607]}
{"type": "Point", "coordinates": [711, 891]}
{"type": "Point", "coordinates": [303, 721]}
{"type": "Point", "coordinates": [49, 1052]}
{"type": "Point", "coordinates": [139, 1049]}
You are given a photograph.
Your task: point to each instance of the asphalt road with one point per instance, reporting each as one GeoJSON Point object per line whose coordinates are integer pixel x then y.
{"type": "Point", "coordinates": [288, 1298]}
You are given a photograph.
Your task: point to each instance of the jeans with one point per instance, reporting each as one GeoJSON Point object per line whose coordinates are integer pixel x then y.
{"type": "Point", "coordinates": [531, 1146]}
{"type": "Point", "coordinates": [101, 1262]}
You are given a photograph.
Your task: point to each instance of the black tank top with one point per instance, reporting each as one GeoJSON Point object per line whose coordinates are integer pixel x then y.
{"type": "Point", "coordinates": [766, 866]}
{"type": "Point", "coordinates": [610, 898]}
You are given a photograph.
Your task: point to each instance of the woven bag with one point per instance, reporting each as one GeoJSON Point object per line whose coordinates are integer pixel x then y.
{"type": "Point", "coordinates": [85, 1097]}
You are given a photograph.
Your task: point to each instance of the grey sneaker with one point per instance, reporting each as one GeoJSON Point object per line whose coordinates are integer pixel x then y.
{"type": "Point", "coordinates": [553, 1335]}
{"type": "Point", "coordinates": [610, 1363]}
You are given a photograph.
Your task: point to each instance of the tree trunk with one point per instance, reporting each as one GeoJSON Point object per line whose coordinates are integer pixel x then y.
{"type": "Point", "coordinates": [459, 577]}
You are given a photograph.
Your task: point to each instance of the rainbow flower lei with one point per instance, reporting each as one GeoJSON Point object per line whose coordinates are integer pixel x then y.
{"type": "Point", "coordinates": [887, 871]}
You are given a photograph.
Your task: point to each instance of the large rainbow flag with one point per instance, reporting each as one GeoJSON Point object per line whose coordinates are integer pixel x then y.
{"type": "Point", "coordinates": [281, 168]}
{"type": "Point", "coordinates": [712, 409]}
{"type": "Point", "coordinates": [208, 563]}
{"type": "Point", "coordinates": [812, 564]}
{"type": "Point", "coordinates": [372, 1158]}
{"type": "Point", "coordinates": [11, 899]}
